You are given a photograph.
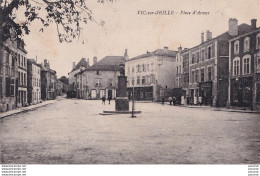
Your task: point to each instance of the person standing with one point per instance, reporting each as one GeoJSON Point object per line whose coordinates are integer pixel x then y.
{"type": "Point", "coordinates": [182, 100]}
{"type": "Point", "coordinates": [170, 100]}
{"type": "Point", "coordinates": [162, 100]}
{"type": "Point", "coordinates": [195, 100]}
{"type": "Point", "coordinates": [103, 100]}
{"type": "Point", "coordinates": [200, 100]}
{"type": "Point", "coordinates": [174, 101]}
{"type": "Point", "coordinates": [109, 99]}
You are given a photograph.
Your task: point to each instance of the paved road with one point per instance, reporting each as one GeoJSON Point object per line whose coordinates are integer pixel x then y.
{"type": "Point", "coordinates": [72, 132]}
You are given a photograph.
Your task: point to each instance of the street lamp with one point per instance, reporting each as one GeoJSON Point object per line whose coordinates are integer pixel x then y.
{"type": "Point", "coordinates": [133, 116]}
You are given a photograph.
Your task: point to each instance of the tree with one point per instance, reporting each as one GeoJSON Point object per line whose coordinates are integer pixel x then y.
{"type": "Point", "coordinates": [64, 79]}
{"type": "Point", "coordinates": [69, 16]}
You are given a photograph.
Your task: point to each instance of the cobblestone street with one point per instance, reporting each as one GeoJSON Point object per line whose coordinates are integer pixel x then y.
{"type": "Point", "coordinates": [71, 131]}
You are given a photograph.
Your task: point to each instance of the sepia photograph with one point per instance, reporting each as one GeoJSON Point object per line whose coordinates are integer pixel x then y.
{"type": "Point", "coordinates": [136, 82]}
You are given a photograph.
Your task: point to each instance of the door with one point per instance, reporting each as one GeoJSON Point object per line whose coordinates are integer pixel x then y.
{"type": "Point", "coordinates": [110, 93]}
{"type": "Point", "coordinates": [93, 94]}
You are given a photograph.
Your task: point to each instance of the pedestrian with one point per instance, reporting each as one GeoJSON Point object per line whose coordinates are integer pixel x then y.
{"type": "Point", "coordinates": [211, 100]}
{"type": "Point", "coordinates": [170, 100]}
{"type": "Point", "coordinates": [103, 100]}
{"type": "Point", "coordinates": [162, 100]}
{"type": "Point", "coordinates": [195, 100]}
{"type": "Point", "coordinates": [174, 100]}
{"type": "Point", "coordinates": [200, 100]}
{"type": "Point", "coordinates": [182, 100]}
{"type": "Point", "coordinates": [109, 99]}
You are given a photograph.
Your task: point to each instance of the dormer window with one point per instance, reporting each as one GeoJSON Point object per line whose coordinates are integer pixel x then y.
{"type": "Point", "coordinates": [236, 47]}
{"type": "Point", "coordinates": [246, 44]}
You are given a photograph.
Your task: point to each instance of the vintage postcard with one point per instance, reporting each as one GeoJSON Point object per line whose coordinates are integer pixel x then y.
{"type": "Point", "coordinates": [129, 82]}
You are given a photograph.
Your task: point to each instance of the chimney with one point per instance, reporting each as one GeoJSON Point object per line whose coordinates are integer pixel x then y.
{"type": "Point", "coordinates": [202, 37]}
{"type": "Point", "coordinates": [233, 27]}
{"type": "Point", "coordinates": [180, 48]}
{"type": "Point", "coordinates": [73, 65]}
{"type": "Point", "coordinates": [166, 48]}
{"type": "Point", "coordinates": [253, 23]}
{"type": "Point", "coordinates": [126, 55]}
{"type": "Point", "coordinates": [208, 35]}
{"type": "Point", "coordinates": [94, 60]}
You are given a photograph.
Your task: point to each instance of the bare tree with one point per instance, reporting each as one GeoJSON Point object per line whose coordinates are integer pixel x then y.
{"type": "Point", "coordinates": [69, 16]}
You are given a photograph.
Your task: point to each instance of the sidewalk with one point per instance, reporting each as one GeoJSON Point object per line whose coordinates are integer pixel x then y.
{"type": "Point", "coordinates": [224, 109]}
{"type": "Point", "coordinates": [24, 109]}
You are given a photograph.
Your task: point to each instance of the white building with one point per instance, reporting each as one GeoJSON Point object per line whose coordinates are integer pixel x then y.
{"type": "Point", "coordinates": [151, 74]}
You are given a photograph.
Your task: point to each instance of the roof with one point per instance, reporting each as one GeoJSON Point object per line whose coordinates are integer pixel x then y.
{"type": "Point", "coordinates": [242, 29]}
{"type": "Point", "coordinates": [108, 63]}
{"type": "Point", "coordinates": [158, 52]}
{"type": "Point", "coordinates": [82, 63]}
{"type": "Point", "coordinates": [43, 68]}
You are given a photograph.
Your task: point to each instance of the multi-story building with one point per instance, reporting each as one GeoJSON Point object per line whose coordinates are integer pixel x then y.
{"type": "Point", "coordinates": [208, 66]}
{"type": "Point", "coordinates": [22, 72]}
{"type": "Point", "coordinates": [48, 82]}
{"type": "Point", "coordinates": [33, 81]}
{"type": "Point", "coordinates": [150, 74]}
{"type": "Point", "coordinates": [100, 79]}
{"type": "Point", "coordinates": [8, 75]}
{"type": "Point", "coordinates": [82, 65]}
{"type": "Point", "coordinates": [244, 52]}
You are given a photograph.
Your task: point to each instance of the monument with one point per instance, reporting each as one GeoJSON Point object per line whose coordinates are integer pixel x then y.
{"type": "Point", "coordinates": [122, 102]}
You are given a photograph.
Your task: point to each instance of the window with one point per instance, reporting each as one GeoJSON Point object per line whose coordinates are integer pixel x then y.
{"type": "Point", "coordinates": [236, 66]}
{"type": "Point", "coordinates": [148, 69]}
{"type": "Point", "coordinates": [110, 82]}
{"type": "Point", "coordinates": [128, 70]}
{"type": "Point", "coordinates": [198, 57]}
{"type": "Point", "coordinates": [133, 81]}
{"type": "Point", "coordinates": [177, 69]}
{"type": "Point", "coordinates": [246, 65]}
{"type": "Point", "coordinates": [8, 84]}
{"type": "Point", "coordinates": [246, 44]}
{"type": "Point", "coordinates": [236, 47]}
{"type": "Point", "coordinates": [19, 60]}
{"type": "Point", "coordinates": [138, 80]}
{"type": "Point", "coordinates": [143, 68]}
{"type": "Point", "coordinates": [12, 87]}
{"type": "Point", "coordinates": [258, 63]}
{"type": "Point", "coordinates": [197, 76]}
{"type": "Point", "coordinates": [258, 40]}
{"type": "Point", "coordinates": [209, 52]}
{"type": "Point", "coordinates": [133, 69]}
{"type": "Point", "coordinates": [193, 58]}
{"type": "Point", "coordinates": [177, 82]}
{"type": "Point", "coordinates": [202, 54]}
{"type": "Point", "coordinates": [209, 73]}
{"type": "Point", "coordinates": [98, 82]}
{"type": "Point", "coordinates": [192, 76]}
{"type": "Point", "coordinates": [180, 69]}
{"type": "Point", "coordinates": [202, 75]}
{"type": "Point", "coordinates": [143, 79]}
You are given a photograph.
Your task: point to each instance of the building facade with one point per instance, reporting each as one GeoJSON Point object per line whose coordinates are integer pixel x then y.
{"type": "Point", "coordinates": [48, 82]}
{"type": "Point", "coordinates": [208, 66]}
{"type": "Point", "coordinates": [99, 80]}
{"type": "Point", "coordinates": [33, 81]}
{"type": "Point", "coordinates": [244, 90]}
{"type": "Point", "coordinates": [151, 74]}
{"type": "Point", "coordinates": [8, 76]}
{"type": "Point", "coordinates": [22, 72]}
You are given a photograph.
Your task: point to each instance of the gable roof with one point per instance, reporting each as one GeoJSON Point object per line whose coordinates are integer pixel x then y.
{"type": "Point", "coordinates": [158, 52]}
{"type": "Point", "coordinates": [108, 63]}
{"type": "Point", "coordinates": [82, 63]}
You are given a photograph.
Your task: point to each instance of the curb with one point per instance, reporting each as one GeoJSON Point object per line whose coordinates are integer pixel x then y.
{"type": "Point", "coordinates": [24, 110]}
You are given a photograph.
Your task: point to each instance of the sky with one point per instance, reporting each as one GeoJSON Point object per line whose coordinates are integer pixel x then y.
{"type": "Point", "coordinates": [126, 29]}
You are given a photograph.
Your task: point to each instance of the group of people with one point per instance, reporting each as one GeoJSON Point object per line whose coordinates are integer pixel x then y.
{"type": "Point", "coordinates": [173, 101]}
{"type": "Point", "coordinates": [104, 100]}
